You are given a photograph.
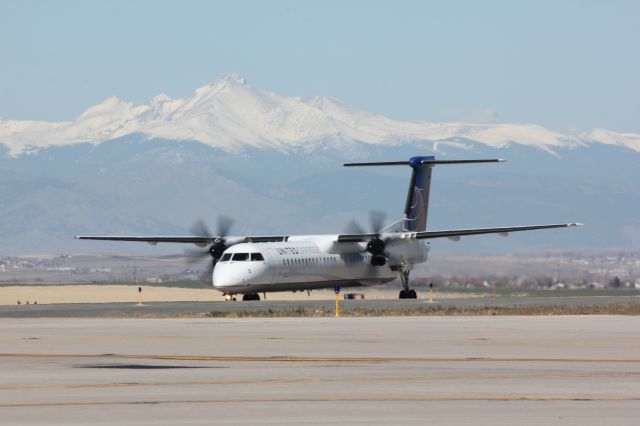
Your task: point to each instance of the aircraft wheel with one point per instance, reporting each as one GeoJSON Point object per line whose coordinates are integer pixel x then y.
{"type": "Point", "coordinates": [412, 294]}
{"type": "Point", "coordinates": [403, 294]}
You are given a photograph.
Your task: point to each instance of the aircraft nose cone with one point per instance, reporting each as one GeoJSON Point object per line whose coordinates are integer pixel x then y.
{"type": "Point", "coordinates": [218, 276]}
{"type": "Point", "coordinates": [224, 276]}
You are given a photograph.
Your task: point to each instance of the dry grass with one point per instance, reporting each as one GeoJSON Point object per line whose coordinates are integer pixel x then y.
{"type": "Point", "coordinates": [613, 309]}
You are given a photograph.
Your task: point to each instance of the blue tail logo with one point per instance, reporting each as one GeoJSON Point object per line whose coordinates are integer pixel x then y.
{"type": "Point", "coordinates": [417, 205]}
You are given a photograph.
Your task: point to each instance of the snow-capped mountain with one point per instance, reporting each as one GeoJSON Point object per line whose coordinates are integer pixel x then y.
{"type": "Point", "coordinates": [231, 115]}
{"type": "Point", "coordinates": [274, 163]}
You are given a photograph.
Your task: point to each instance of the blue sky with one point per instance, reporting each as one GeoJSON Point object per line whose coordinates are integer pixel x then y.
{"type": "Point", "coordinates": [567, 65]}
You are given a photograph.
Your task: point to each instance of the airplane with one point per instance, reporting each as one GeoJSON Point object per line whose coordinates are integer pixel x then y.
{"type": "Point", "coordinates": [249, 265]}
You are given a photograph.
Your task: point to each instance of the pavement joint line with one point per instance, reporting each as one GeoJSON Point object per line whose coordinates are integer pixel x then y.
{"type": "Point", "coordinates": [531, 376]}
{"type": "Point", "coordinates": [503, 398]}
{"type": "Point", "coordinates": [287, 358]}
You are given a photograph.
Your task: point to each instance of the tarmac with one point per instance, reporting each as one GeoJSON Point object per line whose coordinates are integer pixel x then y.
{"type": "Point", "coordinates": [365, 370]}
{"type": "Point", "coordinates": [173, 309]}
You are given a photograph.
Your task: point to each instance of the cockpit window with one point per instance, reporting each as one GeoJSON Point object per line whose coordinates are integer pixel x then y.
{"type": "Point", "coordinates": [256, 256]}
{"type": "Point", "coordinates": [237, 257]}
{"type": "Point", "coordinates": [226, 257]}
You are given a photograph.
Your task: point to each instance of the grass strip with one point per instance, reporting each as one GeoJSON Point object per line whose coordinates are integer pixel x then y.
{"type": "Point", "coordinates": [611, 309]}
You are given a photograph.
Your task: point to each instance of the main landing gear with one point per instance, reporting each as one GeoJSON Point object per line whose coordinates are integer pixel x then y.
{"type": "Point", "coordinates": [247, 297]}
{"type": "Point", "coordinates": [406, 292]}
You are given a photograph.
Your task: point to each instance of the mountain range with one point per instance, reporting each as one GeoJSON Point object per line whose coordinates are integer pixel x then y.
{"type": "Point", "coordinates": [273, 163]}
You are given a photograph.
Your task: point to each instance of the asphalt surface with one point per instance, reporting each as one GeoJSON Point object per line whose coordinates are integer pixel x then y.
{"type": "Point", "coordinates": [162, 309]}
{"type": "Point", "coordinates": [396, 370]}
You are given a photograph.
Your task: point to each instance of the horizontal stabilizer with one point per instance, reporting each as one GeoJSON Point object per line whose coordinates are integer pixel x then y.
{"type": "Point", "coordinates": [424, 162]}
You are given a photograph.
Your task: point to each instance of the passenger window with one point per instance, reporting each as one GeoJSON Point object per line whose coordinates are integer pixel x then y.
{"type": "Point", "coordinates": [257, 256]}
{"type": "Point", "coordinates": [238, 257]}
{"type": "Point", "coordinates": [226, 257]}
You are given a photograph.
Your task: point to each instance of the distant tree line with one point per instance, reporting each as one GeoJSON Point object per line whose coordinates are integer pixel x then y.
{"type": "Point", "coordinates": [539, 281]}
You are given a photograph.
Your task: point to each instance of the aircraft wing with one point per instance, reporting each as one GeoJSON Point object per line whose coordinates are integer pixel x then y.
{"type": "Point", "coordinates": [187, 240]}
{"type": "Point", "coordinates": [504, 231]}
{"type": "Point", "coordinates": [355, 238]}
{"type": "Point", "coordinates": [455, 233]}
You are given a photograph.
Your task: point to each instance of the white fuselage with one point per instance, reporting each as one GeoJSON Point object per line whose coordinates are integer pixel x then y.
{"type": "Point", "coordinates": [310, 262]}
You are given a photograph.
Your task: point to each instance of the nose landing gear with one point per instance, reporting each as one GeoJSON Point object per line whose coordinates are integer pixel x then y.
{"type": "Point", "coordinates": [245, 297]}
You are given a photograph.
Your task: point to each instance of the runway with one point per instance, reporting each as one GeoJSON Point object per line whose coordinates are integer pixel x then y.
{"type": "Point", "coordinates": [390, 370]}
{"type": "Point", "coordinates": [173, 309]}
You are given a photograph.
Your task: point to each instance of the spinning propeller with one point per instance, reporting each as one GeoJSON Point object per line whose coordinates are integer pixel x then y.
{"type": "Point", "coordinates": [376, 245]}
{"type": "Point", "coordinates": [215, 250]}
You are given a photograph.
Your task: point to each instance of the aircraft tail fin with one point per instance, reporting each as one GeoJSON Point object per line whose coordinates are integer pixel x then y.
{"type": "Point", "coordinates": [416, 207]}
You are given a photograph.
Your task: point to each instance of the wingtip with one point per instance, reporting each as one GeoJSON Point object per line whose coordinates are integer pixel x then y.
{"type": "Point", "coordinates": [575, 224]}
